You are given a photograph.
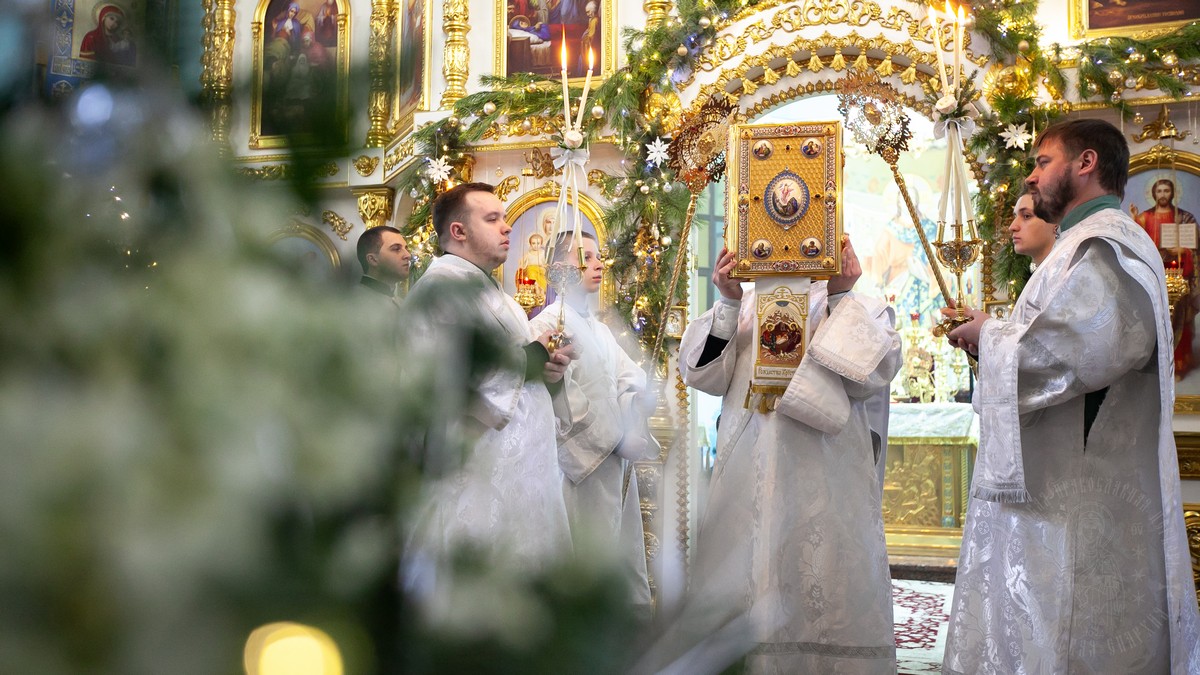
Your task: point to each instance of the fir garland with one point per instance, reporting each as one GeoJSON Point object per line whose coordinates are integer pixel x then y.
{"type": "Point", "coordinates": [648, 203]}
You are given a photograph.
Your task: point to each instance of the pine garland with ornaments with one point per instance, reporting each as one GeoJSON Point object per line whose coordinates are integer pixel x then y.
{"type": "Point", "coordinates": [632, 110]}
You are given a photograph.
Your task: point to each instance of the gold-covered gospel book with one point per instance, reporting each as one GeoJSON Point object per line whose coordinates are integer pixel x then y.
{"type": "Point", "coordinates": [783, 206]}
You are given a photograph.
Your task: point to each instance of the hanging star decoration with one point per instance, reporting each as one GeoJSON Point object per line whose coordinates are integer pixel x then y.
{"type": "Point", "coordinates": [1016, 136]}
{"type": "Point", "coordinates": [438, 170]}
{"type": "Point", "coordinates": [656, 152]}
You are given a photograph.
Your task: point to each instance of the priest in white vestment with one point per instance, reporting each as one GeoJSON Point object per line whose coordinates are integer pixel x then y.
{"type": "Point", "coordinates": [602, 426]}
{"type": "Point", "coordinates": [506, 497]}
{"type": "Point", "coordinates": [791, 566]}
{"type": "Point", "coordinates": [1074, 556]}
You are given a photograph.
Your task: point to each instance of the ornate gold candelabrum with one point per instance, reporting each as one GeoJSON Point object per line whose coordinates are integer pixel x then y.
{"type": "Point", "coordinates": [529, 294]}
{"type": "Point", "coordinates": [1177, 287]}
{"type": "Point", "coordinates": [957, 254]}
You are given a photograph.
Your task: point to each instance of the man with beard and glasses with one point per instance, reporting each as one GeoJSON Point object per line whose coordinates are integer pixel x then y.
{"type": "Point", "coordinates": [1074, 554]}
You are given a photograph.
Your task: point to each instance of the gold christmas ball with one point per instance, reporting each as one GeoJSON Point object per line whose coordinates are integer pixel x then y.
{"type": "Point", "coordinates": [527, 125]}
{"type": "Point", "coordinates": [1137, 57]}
{"type": "Point", "coordinates": [1138, 119]}
{"type": "Point", "coordinates": [681, 50]}
{"type": "Point", "coordinates": [645, 189]}
{"type": "Point", "coordinates": [666, 240]}
{"type": "Point", "coordinates": [705, 22]}
{"type": "Point", "coordinates": [1023, 46]}
{"type": "Point", "coordinates": [1169, 59]}
{"type": "Point", "coordinates": [452, 121]}
{"type": "Point", "coordinates": [597, 111]}
{"type": "Point", "coordinates": [1116, 77]}
{"type": "Point", "coordinates": [489, 108]}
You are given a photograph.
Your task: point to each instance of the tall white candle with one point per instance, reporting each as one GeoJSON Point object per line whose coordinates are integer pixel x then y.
{"type": "Point", "coordinates": [566, 95]}
{"type": "Point", "coordinates": [587, 85]}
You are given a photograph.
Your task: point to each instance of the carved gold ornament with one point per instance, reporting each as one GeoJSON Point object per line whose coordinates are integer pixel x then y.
{"type": "Point", "coordinates": [285, 171]}
{"type": "Point", "coordinates": [457, 53]}
{"type": "Point", "coordinates": [665, 107]}
{"type": "Point", "coordinates": [1002, 80]}
{"type": "Point", "coordinates": [340, 226]}
{"type": "Point", "coordinates": [365, 165]}
{"type": "Point", "coordinates": [397, 156]}
{"type": "Point", "coordinates": [380, 97]}
{"type": "Point", "coordinates": [534, 125]}
{"type": "Point", "coordinates": [375, 205]}
{"type": "Point", "coordinates": [216, 75]}
{"type": "Point", "coordinates": [506, 187]}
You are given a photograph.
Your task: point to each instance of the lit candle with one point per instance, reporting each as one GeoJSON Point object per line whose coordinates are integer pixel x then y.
{"type": "Point", "coordinates": [937, 46]}
{"type": "Point", "coordinates": [566, 95]}
{"type": "Point", "coordinates": [587, 85]}
{"type": "Point", "coordinates": [959, 25]}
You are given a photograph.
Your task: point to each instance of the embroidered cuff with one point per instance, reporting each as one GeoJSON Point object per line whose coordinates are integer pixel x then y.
{"type": "Point", "coordinates": [725, 318]}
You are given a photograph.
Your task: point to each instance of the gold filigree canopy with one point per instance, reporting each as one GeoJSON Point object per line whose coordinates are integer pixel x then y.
{"type": "Point", "coordinates": [873, 114]}
{"type": "Point", "coordinates": [697, 152]}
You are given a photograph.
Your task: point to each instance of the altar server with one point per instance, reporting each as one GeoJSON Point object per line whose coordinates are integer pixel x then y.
{"type": "Point", "coordinates": [1074, 556]}
{"type": "Point", "coordinates": [791, 567]}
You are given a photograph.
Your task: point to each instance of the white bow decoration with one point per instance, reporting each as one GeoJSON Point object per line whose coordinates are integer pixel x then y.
{"type": "Point", "coordinates": [562, 156]}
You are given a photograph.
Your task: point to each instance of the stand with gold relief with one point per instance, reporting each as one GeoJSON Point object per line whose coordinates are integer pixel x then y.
{"type": "Point", "coordinates": [784, 226]}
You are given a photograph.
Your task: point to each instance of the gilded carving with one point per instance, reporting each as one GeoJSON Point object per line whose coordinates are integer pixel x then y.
{"type": "Point", "coordinates": [216, 75]}
{"type": "Point", "coordinates": [457, 51]}
{"type": "Point", "coordinates": [666, 108]}
{"type": "Point", "coordinates": [380, 99]}
{"type": "Point", "coordinates": [910, 489]}
{"type": "Point", "coordinates": [1188, 448]}
{"type": "Point", "coordinates": [656, 12]}
{"type": "Point", "coordinates": [402, 151]}
{"type": "Point", "coordinates": [375, 205]}
{"type": "Point", "coordinates": [340, 226]}
{"type": "Point", "coordinates": [365, 165]}
{"type": "Point", "coordinates": [538, 126]}
{"type": "Point", "coordinates": [1191, 521]}
{"type": "Point", "coordinates": [597, 178]}
{"type": "Point", "coordinates": [506, 187]}
{"type": "Point", "coordinates": [284, 171]}
{"type": "Point", "coordinates": [541, 163]}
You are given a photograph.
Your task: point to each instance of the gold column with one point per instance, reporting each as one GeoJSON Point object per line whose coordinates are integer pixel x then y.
{"type": "Point", "coordinates": [377, 48]}
{"type": "Point", "coordinates": [656, 12]}
{"type": "Point", "coordinates": [216, 78]}
{"type": "Point", "coordinates": [454, 23]}
{"type": "Point", "coordinates": [375, 205]}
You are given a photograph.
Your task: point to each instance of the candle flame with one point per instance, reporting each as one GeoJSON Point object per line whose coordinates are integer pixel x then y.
{"type": "Point", "coordinates": [591, 59]}
{"type": "Point", "coordinates": [962, 18]}
{"type": "Point", "coordinates": [563, 52]}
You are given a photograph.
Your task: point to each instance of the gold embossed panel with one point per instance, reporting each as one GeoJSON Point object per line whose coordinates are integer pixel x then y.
{"type": "Point", "coordinates": [784, 212]}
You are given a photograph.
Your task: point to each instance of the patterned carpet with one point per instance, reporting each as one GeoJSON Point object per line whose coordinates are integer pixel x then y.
{"type": "Point", "coordinates": [921, 610]}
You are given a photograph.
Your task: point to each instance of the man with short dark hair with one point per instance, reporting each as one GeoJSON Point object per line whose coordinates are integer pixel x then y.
{"type": "Point", "coordinates": [385, 260]}
{"type": "Point", "coordinates": [507, 496]}
{"type": "Point", "coordinates": [1074, 555]}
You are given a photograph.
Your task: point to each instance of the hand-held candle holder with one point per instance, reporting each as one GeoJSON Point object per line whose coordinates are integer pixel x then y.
{"type": "Point", "coordinates": [571, 158]}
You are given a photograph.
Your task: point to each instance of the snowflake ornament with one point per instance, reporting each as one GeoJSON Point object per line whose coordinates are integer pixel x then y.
{"type": "Point", "coordinates": [656, 152]}
{"type": "Point", "coordinates": [438, 169]}
{"type": "Point", "coordinates": [1016, 136]}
